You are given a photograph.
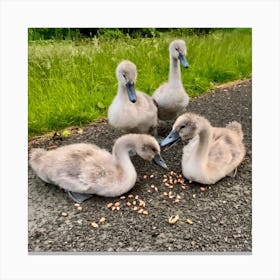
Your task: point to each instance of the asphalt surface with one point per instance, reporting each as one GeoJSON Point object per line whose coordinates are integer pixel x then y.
{"type": "Point", "coordinates": [215, 218]}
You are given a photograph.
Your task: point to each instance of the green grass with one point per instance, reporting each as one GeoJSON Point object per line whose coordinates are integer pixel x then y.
{"type": "Point", "coordinates": [74, 82]}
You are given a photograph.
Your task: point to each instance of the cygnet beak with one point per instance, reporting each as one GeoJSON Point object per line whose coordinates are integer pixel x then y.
{"type": "Point", "coordinates": [183, 61]}
{"type": "Point", "coordinates": [131, 92]}
{"type": "Point", "coordinates": [171, 138]}
{"type": "Point", "coordinates": [159, 161]}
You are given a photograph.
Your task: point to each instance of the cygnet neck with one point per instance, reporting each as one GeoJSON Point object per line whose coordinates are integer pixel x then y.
{"type": "Point", "coordinates": [174, 71]}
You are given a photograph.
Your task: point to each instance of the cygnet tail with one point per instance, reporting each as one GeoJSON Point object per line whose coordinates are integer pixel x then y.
{"type": "Point", "coordinates": [237, 127]}
{"type": "Point", "coordinates": [35, 156]}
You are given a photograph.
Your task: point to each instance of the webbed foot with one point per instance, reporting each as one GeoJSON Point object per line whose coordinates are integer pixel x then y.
{"type": "Point", "coordinates": [79, 197]}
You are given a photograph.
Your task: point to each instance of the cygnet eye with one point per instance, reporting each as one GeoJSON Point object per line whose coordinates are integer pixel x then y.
{"type": "Point", "coordinates": [182, 126]}
{"type": "Point", "coordinates": [154, 150]}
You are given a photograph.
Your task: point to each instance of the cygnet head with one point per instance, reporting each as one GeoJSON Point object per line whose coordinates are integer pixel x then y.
{"type": "Point", "coordinates": [185, 127]}
{"type": "Point", "coordinates": [126, 74]}
{"type": "Point", "coordinates": [148, 148]}
{"type": "Point", "coordinates": [178, 50]}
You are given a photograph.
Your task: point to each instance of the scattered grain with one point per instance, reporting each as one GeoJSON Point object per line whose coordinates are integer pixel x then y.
{"type": "Point", "coordinates": [63, 214]}
{"type": "Point", "coordinates": [94, 224]}
{"type": "Point", "coordinates": [145, 212]}
{"type": "Point", "coordinates": [152, 176]}
{"type": "Point", "coordinates": [173, 219]}
{"type": "Point", "coordinates": [202, 189]}
{"type": "Point", "coordinates": [109, 205]}
{"type": "Point", "coordinates": [128, 203]}
{"type": "Point", "coordinates": [102, 220]}
{"type": "Point", "coordinates": [117, 204]}
{"type": "Point", "coordinates": [122, 197]}
{"type": "Point", "coordinates": [189, 221]}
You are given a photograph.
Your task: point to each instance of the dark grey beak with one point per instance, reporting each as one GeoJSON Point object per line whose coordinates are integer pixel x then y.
{"type": "Point", "coordinates": [172, 138]}
{"type": "Point", "coordinates": [183, 61]}
{"type": "Point", "coordinates": [159, 161]}
{"type": "Point", "coordinates": [131, 92]}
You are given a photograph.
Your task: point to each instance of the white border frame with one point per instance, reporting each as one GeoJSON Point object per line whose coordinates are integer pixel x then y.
{"type": "Point", "coordinates": [17, 16]}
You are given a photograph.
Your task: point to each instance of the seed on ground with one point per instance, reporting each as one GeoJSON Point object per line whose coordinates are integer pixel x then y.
{"type": "Point", "coordinates": [113, 208]}
{"type": "Point", "coordinates": [142, 203]}
{"type": "Point", "coordinates": [117, 204]}
{"type": "Point", "coordinates": [175, 182]}
{"type": "Point", "coordinates": [130, 196]}
{"type": "Point", "coordinates": [94, 224]}
{"type": "Point", "coordinates": [140, 211]}
{"type": "Point", "coordinates": [135, 208]}
{"type": "Point", "coordinates": [76, 204]}
{"type": "Point", "coordinates": [79, 208]}
{"type": "Point", "coordinates": [202, 189]}
{"type": "Point", "coordinates": [145, 177]}
{"type": "Point", "coordinates": [183, 187]}
{"type": "Point", "coordinates": [109, 205]}
{"type": "Point", "coordinates": [152, 176]}
{"type": "Point", "coordinates": [122, 197]}
{"type": "Point", "coordinates": [173, 219]}
{"type": "Point", "coordinates": [63, 214]}
{"type": "Point", "coordinates": [164, 176]}
{"type": "Point", "coordinates": [145, 212]}
{"type": "Point", "coordinates": [194, 195]}
{"type": "Point", "coordinates": [156, 189]}
{"type": "Point", "coordinates": [136, 196]}
{"type": "Point", "coordinates": [102, 220]}
{"type": "Point", "coordinates": [171, 172]}
{"type": "Point", "coordinates": [189, 221]}
{"type": "Point", "coordinates": [128, 203]}
{"type": "Point", "coordinates": [164, 180]}
{"type": "Point", "coordinates": [118, 208]}
{"type": "Point", "coordinates": [148, 191]}
{"type": "Point", "coordinates": [166, 184]}
{"type": "Point", "coordinates": [176, 200]}
{"type": "Point", "coordinates": [165, 193]}
{"type": "Point", "coordinates": [152, 186]}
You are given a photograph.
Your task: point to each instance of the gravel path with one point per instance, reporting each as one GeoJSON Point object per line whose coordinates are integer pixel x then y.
{"type": "Point", "coordinates": [216, 218]}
